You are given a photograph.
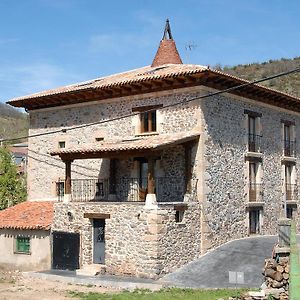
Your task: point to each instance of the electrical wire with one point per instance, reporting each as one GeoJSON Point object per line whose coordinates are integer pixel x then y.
{"type": "Point", "coordinates": [64, 130]}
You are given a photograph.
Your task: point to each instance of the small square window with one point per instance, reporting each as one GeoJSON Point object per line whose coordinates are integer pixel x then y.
{"type": "Point", "coordinates": [179, 216]}
{"type": "Point", "coordinates": [62, 144]}
{"type": "Point", "coordinates": [23, 245]}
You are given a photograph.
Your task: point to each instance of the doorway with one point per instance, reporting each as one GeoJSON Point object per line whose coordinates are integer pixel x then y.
{"type": "Point", "coordinates": [98, 241]}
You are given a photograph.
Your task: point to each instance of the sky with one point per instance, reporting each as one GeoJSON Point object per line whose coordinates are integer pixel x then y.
{"type": "Point", "coordinates": [50, 43]}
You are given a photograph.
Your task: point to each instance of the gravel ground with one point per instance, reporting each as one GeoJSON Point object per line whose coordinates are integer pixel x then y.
{"type": "Point", "coordinates": [14, 286]}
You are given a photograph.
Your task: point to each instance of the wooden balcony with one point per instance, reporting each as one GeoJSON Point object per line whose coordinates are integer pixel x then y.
{"type": "Point", "coordinates": [167, 189]}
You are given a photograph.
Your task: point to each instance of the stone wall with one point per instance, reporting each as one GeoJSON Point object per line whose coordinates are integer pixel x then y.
{"type": "Point", "coordinates": [138, 242]}
{"type": "Point", "coordinates": [226, 174]}
{"type": "Point", "coordinates": [44, 170]}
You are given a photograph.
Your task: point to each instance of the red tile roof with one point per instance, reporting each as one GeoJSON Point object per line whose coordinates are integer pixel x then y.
{"type": "Point", "coordinates": [152, 142]}
{"type": "Point", "coordinates": [28, 215]}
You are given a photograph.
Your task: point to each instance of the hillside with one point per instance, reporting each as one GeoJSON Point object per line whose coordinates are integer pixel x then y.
{"type": "Point", "coordinates": [289, 84]}
{"type": "Point", "coordinates": [13, 123]}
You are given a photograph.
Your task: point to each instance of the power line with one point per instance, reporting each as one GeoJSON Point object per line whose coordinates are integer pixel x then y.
{"type": "Point", "coordinates": [166, 106]}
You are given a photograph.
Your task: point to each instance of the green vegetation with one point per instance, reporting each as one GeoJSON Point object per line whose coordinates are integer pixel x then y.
{"type": "Point", "coordinates": [12, 186]}
{"type": "Point", "coordinates": [13, 123]}
{"type": "Point", "coordinates": [164, 294]}
{"type": "Point", "coordinates": [288, 84]}
{"type": "Point", "coordinates": [295, 266]}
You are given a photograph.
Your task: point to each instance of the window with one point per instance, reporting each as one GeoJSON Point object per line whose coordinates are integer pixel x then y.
{"type": "Point", "coordinates": [148, 117]}
{"type": "Point", "coordinates": [148, 121]}
{"type": "Point", "coordinates": [179, 216]}
{"type": "Point", "coordinates": [290, 186]}
{"type": "Point", "coordinates": [253, 130]}
{"type": "Point", "coordinates": [23, 245]}
{"type": "Point", "coordinates": [253, 185]}
{"type": "Point", "coordinates": [60, 189]}
{"type": "Point", "coordinates": [62, 144]}
{"type": "Point", "coordinates": [289, 212]}
{"type": "Point", "coordinates": [254, 221]}
{"type": "Point", "coordinates": [288, 141]}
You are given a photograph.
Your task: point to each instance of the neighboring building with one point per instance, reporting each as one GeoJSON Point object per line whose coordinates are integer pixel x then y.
{"type": "Point", "coordinates": [25, 236]}
{"type": "Point", "coordinates": [20, 153]}
{"type": "Point", "coordinates": [161, 176]}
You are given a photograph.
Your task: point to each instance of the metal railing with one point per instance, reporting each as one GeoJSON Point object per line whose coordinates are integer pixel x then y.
{"type": "Point", "coordinates": [167, 189]}
{"type": "Point", "coordinates": [291, 192]}
{"type": "Point", "coordinates": [289, 148]}
{"type": "Point", "coordinates": [254, 142]}
{"type": "Point", "coordinates": [255, 192]}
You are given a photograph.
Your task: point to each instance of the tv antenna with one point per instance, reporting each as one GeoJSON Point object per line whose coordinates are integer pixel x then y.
{"type": "Point", "coordinates": [189, 46]}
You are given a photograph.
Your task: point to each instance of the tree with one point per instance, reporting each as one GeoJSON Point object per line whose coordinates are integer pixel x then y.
{"type": "Point", "coordinates": [12, 186]}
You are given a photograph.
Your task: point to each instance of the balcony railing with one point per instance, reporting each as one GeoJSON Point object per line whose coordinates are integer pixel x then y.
{"type": "Point", "coordinates": [289, 148]}
{"type": "Point", "coordinates": [255, 192]}
{"type": "Point", "coordinates": [291, 193]}
{"type": "Point", "coordinates": [254, 142]}
{"type": "Point", "coordinates": [167, 189]}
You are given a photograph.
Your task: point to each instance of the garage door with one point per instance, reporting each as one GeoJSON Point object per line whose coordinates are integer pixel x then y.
{"type": "Point", "coordinates": [65, 253]}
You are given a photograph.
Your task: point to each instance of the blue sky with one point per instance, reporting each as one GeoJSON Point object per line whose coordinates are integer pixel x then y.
{"type": "Point", "coordinates": [49, 43]}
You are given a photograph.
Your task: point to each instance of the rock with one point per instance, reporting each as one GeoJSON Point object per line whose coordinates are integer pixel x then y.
{"type": "Point", "coordinates": [277, 284]}
{"type": "Point", "coordinates": [280, 269]}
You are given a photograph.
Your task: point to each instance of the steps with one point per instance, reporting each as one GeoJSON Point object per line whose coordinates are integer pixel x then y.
{"type": "Point", "coordinates": [91, 270]}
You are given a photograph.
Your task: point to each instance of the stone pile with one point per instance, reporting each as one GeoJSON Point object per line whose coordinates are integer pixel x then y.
{"type": "Point", "coordinates": [276, 285]}
{"type": "Point", "coordinates": [277, 275]}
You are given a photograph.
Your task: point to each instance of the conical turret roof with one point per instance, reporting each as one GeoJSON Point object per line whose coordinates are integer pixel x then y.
{"type": "Point", "coordinates": [167, 52]}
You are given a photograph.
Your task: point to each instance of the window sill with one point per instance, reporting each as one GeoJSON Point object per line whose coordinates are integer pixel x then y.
{"type": "Point", "coordinates": [255, 204]}
{"type": "Point", "coordinates": [24, 253]}
{"type": "Point", "coordinates": [253, 154]}
{"type": "Point", "coordinates": [147, 133]}
{"type": "Point", "coordinates": [291, 202]}
{"type": "Point", "coordinates": [288, 159]}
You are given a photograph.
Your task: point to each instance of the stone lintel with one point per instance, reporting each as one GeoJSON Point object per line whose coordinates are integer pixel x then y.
{"type": "Point", "coordinates": [96, 216]}
{"type": "Point", "coordinates": [180, 206]}
{"type": "Point", "coordinates": [255, 204]}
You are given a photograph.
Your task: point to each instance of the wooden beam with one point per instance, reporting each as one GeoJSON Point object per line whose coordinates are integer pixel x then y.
{"type": "Point", "coordinates": [151, 184]}
{"type": "Point", "coordinates": [96, 216]}
{"type": "Point", "coordinates": [68, 187]}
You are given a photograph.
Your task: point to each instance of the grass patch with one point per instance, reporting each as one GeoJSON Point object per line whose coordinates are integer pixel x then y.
{"type": "Point", "coordinates": [164, 294]}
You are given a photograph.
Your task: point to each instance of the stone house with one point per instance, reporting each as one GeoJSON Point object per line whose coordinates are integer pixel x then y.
{"type": "Point", "coordinates": [20, 152]}
{"type": "Point", "coordinates": [146, 175]}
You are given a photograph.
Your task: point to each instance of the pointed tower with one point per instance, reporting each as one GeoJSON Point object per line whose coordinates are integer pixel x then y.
{"type": "Point", "coordinates": [167, 52]}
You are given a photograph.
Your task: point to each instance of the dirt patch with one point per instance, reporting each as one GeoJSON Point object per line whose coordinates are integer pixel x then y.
{"type": "Point", "coordinates": [14, 286]}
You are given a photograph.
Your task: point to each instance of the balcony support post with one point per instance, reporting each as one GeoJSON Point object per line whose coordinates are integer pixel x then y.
{"type": "Point", "coordinates": [68, 187]}
{"type": "Point", "coordinates": [151, 201]}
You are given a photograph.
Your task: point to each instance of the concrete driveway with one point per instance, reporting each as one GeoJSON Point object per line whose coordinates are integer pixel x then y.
{"type": "Point", "coordinates": [211, 270]}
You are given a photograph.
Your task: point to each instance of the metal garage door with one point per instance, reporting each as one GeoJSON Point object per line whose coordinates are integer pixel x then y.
{"type": "Point", "coordinates": [65, 251]}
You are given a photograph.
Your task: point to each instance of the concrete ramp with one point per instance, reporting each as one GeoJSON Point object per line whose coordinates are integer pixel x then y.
{"type": "Point", "coordinates": [212, 270]}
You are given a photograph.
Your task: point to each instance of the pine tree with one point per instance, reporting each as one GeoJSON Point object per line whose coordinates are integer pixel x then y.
{"type": "Point", "coordinates": [12, 186]}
